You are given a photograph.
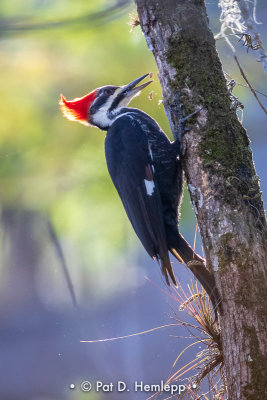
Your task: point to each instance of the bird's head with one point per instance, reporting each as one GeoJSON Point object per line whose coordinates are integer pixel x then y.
{"type": "Point", "coordinates": [101, 106]}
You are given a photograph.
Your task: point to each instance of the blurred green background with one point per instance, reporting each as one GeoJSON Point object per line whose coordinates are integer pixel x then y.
{"type": "Point", "coordinates": [51, 165]}
{"type": "Point", "coordinates": [54, 172]}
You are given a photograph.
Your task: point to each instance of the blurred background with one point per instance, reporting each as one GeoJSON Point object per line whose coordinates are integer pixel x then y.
{"type": "Point", "coordinates": [71, 266]}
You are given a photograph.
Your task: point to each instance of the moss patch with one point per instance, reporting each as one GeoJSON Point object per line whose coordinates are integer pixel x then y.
{"type": "Point", "coordinates": [192, 61]}
{"type": "Point", "coordinates": [224, 144]}
{"type": "Point", "coordinates": [224, 148]}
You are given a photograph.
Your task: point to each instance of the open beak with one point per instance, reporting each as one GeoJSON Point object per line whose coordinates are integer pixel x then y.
{"type": "Point", "coordinates": [131, 89]}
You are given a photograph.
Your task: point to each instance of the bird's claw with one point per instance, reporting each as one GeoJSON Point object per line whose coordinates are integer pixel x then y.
{"type": "Point", "coordinates": [181, 124]}
{"type": "Point", "coordinates": [184, 119]}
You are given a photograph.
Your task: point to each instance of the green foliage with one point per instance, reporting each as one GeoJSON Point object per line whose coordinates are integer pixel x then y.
{"type": "Point", "coordinates": [48, 163]}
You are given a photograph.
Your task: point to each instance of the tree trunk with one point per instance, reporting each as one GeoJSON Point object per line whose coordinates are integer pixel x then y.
{"type": "Point", "coordinates": [222, 180]}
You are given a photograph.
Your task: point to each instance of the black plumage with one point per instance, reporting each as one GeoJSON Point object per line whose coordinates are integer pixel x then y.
{"type": "Point", "coordinates": [129, 155]}
{"type": "Point", "coordinates": [145, 167]}
{"type": "Point", "coordinates": [137, 150]}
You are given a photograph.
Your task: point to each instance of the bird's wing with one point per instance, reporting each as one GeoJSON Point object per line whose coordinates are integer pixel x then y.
{"type": "Point", "coordinates": [130, 165]}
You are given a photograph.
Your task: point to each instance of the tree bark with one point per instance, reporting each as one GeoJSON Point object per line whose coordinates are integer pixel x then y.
{"type": "Point", "coordinates": [222, 181]}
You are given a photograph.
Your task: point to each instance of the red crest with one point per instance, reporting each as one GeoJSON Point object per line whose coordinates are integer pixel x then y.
{"type": "Point", "coordinates": [77, 109]}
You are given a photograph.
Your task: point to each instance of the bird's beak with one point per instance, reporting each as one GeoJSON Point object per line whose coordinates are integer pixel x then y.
{"type": "Point", "coordinates": [131, 89]}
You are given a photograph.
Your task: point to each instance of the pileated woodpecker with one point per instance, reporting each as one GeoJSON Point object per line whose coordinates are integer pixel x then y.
{"type": "Point", "coordinates": [146, 170]}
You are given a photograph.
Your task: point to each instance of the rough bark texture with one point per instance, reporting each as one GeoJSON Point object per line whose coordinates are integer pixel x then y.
{"type": "Point", "coordinates": [222, 180]}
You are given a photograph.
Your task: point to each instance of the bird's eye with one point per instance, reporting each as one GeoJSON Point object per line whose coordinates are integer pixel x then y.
{"type": "Point", "coordinates": [108, 91]}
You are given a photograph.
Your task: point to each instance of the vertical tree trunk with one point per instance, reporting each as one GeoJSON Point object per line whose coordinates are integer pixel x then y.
{"type": "Point", "coordinates": [222, 180]}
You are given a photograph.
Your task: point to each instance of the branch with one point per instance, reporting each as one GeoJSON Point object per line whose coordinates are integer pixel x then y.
{"type": "Point", "coordinates": [17, 24]}
{"type": "Point", "coordinates": [249, 85]}
{"type": "Point", "coordinates": [61, 258]}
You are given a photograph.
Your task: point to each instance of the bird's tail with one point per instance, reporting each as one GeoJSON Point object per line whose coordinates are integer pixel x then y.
{"type": "Point", "coordinates": [182, 250]}
{"type": "Point", "coordinates": [167, 271]}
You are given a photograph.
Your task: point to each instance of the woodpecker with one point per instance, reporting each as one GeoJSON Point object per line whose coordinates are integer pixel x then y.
{"type": "Point", "coordinates": [145, 167]}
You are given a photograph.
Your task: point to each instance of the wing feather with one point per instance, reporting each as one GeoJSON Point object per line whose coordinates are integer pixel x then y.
{"type": "Point", "coordinates": [131, 169]}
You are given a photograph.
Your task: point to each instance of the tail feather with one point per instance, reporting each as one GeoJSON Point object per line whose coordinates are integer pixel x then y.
{"type": "Point", "coordinates": [183, 251]}
{"type": "Point", "coordinates": [167, 271]}
{"type": "Point", "coordinates": [207, 281]}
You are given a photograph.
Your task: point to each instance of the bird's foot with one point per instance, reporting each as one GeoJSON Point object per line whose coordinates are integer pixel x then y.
{"type": "Point", "coordinates": [182, 129]}
{"type": "Point", "coordinates": [187, 117]}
